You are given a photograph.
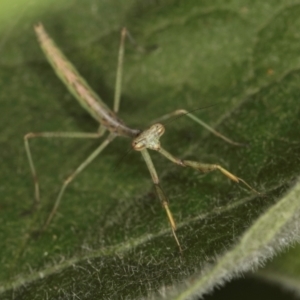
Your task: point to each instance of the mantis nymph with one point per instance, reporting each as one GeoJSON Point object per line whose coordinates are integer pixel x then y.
{"type": "Point", "coordinates": [111, 124]}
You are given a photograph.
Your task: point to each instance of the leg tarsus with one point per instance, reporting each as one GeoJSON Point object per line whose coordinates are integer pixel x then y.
{"type": "Point", "coordinates": [249, 186]}
{"type": "Point", "coordinates": [164, 202]}
{"type": "Point", "coordinates": [212, 167]}
{"type": "Point", "coordinates": [177, 241]}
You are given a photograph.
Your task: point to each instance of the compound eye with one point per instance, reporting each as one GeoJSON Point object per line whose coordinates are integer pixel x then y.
{"type": "Point", "coordinates": [138, 146]}
{"type": "Point", "coordinates": [160, 129]}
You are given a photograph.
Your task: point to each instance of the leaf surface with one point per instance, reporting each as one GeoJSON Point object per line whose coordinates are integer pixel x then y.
{"type": "Point", "coordinates": [110, 237]}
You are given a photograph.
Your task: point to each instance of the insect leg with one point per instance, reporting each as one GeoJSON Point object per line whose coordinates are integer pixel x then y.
{"type": "Point", "coordinates": [160, 193]}
{"type": "Point", "coordinates": [28, 136]}
{"type": "Point", "coordinates": [118, 86]}
{"type": "Point", "coordinates": [204, 168]}
{"type": "Point", "coordinates": [75, 173]}
{"type": "Point", "coordinates": [184, 112]}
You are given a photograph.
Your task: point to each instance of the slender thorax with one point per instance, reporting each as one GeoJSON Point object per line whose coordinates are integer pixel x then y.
{"type": "Point", "coordinates": [111, 125]}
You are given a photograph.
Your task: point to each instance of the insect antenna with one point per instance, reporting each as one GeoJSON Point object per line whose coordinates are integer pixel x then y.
{"type": "Point", "coordinates": [120, 160]}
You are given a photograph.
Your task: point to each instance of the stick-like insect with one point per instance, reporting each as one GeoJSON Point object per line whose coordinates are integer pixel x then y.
{"type": "Point", "coordinates": [109, 121]}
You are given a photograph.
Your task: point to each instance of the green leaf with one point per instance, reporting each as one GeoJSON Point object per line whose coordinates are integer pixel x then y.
{"type": "Point", "coordinates": [284, 269]}
{"type": "Point", "coordinates": [110, 237]}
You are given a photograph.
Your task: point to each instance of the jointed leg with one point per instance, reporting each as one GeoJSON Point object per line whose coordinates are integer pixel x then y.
{"type": "Point", "coordinates": [197, 120]}
{"type": "Point", "coordinates": [76, 135]}
{"type": "Point", "coordinates": [75, 173]}
{"type": "Point", "coordinates": [160, 193]}
{"type": "Point", "coordinates": [118, 85]}
{"type": "Point", "coordinates": [204, 167]}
